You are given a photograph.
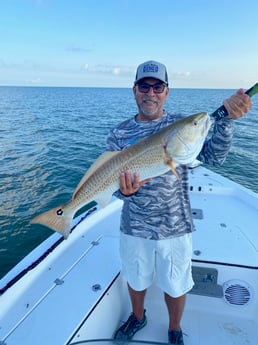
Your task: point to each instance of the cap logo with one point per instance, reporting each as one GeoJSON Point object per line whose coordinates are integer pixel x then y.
{"type": "Point", "coordinates": [150, 68]}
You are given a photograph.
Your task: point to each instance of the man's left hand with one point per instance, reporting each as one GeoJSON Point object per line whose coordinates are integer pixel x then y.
{"type": "Point", "coordinates": [238, 104]}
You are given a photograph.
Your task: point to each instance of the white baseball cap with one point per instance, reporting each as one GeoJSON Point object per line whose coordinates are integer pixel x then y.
{"type": "Point", "coordinates": [151, 69]}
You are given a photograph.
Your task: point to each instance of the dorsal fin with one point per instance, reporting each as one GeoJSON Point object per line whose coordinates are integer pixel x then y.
{"type": "Point", "coordinates": [104, 157]}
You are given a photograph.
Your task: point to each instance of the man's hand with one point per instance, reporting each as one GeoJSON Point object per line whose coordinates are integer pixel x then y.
{"type": "Point", "coordinates": [130, 184]}
{"type": "Point", "coordinates": [238, 104]}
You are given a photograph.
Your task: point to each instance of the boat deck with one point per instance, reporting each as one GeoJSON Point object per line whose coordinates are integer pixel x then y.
{"type": "Point", "coordinates": [206, 320]}
{"type": "Point", "coordinates": [75, 292]}
{"type": "Point", "coordinates": [203, 322]}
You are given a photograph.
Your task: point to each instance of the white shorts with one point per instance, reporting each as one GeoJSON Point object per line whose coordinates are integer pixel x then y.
{"type": "Point", "coordinates": [167, 263]}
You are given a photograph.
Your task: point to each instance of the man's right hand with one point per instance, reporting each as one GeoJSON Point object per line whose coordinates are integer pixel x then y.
{"type": "Point", "coordinates": [129, 184]}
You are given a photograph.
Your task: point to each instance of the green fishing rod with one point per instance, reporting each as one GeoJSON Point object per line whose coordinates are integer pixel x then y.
{"type": "Point", "coordinates": [222, 112]}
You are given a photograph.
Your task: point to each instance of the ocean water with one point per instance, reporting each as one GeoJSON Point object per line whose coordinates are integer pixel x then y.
{"type": "Point", "coordinates": [50, 136]}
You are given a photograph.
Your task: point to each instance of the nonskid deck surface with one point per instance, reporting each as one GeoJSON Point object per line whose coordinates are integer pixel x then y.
{"type": "Point", "coordinates": [206, 320]}
{"type": "Point", "coordinates": [202, 326]}
{"type": "Point", "coordinates": [226, 219]}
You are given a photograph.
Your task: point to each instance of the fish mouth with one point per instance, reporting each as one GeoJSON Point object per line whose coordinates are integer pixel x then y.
{"type": "Point", "coordinates": [207, 125]}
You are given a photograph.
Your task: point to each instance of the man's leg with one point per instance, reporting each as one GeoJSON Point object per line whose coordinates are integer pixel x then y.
{"type": "Point", "coordinates": [137, 320]}
{"type": "Point", "coordinates": [137, 300]}
{"type": "Point", "coordinates": [175, 311]}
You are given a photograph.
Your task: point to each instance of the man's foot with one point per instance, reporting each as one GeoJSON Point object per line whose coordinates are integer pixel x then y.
{"type": "Point", "coordinates": [130, 327]}
{"type": "Point", "coordinates": [175, 337]}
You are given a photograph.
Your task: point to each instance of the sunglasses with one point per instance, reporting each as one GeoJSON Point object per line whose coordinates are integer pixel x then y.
{"type": "Point", "coordinates": [157, 88]}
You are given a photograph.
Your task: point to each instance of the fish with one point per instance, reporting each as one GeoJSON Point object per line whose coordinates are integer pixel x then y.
{"type": "Point", "coordinates": [178, 143]}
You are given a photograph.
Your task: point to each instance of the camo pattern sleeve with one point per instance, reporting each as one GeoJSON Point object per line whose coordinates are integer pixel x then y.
{"type": "Point", "coordinates": [161, 208]}
{"type": "Point", "coordinates": [218, 143]}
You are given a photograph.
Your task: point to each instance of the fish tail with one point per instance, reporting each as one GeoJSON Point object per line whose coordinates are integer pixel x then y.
{"type": "Point", "coordinates": [58, 219]}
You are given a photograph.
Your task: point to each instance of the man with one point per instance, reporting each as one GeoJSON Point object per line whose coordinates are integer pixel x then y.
{"type": "Point", "coordinates": [156, 219]}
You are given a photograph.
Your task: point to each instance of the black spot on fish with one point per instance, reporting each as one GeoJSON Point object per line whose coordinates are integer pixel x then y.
{"type": "Point", "coordinates": [59, 212]}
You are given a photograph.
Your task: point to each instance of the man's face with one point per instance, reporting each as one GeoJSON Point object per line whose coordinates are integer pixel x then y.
{"type": "Point", "coordinates": [150, 100]}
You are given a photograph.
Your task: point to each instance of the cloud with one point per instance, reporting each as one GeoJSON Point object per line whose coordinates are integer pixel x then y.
{"type": "Point", "coordinates": [108, 69]}
{"type": "Point", "coordinates": [116, 70]}
{"type": "Point", "coordinates": [100, 68]}
{"type": "Point", "coordinates": [23, 64]}
{"type": "Point", "coordinates": [76, 49]}
{"type": "Point", "coordinates": [2, 64]}
{"type": "Point", "coordinates": [35, 81]}
{"type": "Point", "coordinates": [85, 67]}
{"type": "Point", "coordinates": [182, 75]}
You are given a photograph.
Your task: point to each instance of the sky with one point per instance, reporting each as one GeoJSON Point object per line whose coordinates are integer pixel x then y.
{"type": "Point", "coordinates": [100, 43]}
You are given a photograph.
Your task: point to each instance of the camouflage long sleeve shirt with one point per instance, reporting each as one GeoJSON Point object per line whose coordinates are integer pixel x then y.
{"type": "Point", "coordinates": [160, 209]}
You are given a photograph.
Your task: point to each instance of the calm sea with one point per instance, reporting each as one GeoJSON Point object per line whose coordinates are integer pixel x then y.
{"type": "Point", "coordinates": [50, 136]}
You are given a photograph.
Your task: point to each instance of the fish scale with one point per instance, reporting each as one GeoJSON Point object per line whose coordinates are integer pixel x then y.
{"type": "Point", "coordinates": [178, 143]}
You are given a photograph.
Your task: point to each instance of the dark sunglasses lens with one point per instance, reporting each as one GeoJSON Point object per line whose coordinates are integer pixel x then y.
{"type": "Point", "coordinates": [157, 88]}
{"type": "Point", "coordinates": [144, 88]}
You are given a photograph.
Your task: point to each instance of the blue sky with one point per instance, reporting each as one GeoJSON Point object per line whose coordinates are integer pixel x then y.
{"type": "Point", "coordinates": [204, 43]}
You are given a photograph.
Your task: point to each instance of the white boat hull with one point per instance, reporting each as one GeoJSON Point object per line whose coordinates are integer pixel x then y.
{"type": "Point", "coordinates": [75, 292]}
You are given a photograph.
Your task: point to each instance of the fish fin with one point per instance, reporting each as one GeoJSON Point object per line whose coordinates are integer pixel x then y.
{"type": "Point", "coordinates": [58, 219]}
{"type": "Point", "coordinates": [104, 157]}
{"type": "Point", "coordinates": [167, 159]}
{"type": "Point", "coordinates": [172, 167]}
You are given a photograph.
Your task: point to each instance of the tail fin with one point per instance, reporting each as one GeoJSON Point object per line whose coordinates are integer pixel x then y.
{"type": "Point", "coordinates": [58, 219]}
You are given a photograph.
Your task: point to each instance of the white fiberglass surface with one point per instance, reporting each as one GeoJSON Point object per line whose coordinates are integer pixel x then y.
{"type": "Point", "coordinates": [206, 321]}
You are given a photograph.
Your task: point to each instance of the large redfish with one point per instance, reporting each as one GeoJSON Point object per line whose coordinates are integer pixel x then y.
{"type": "Point", "coordinates": [178, 143]}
